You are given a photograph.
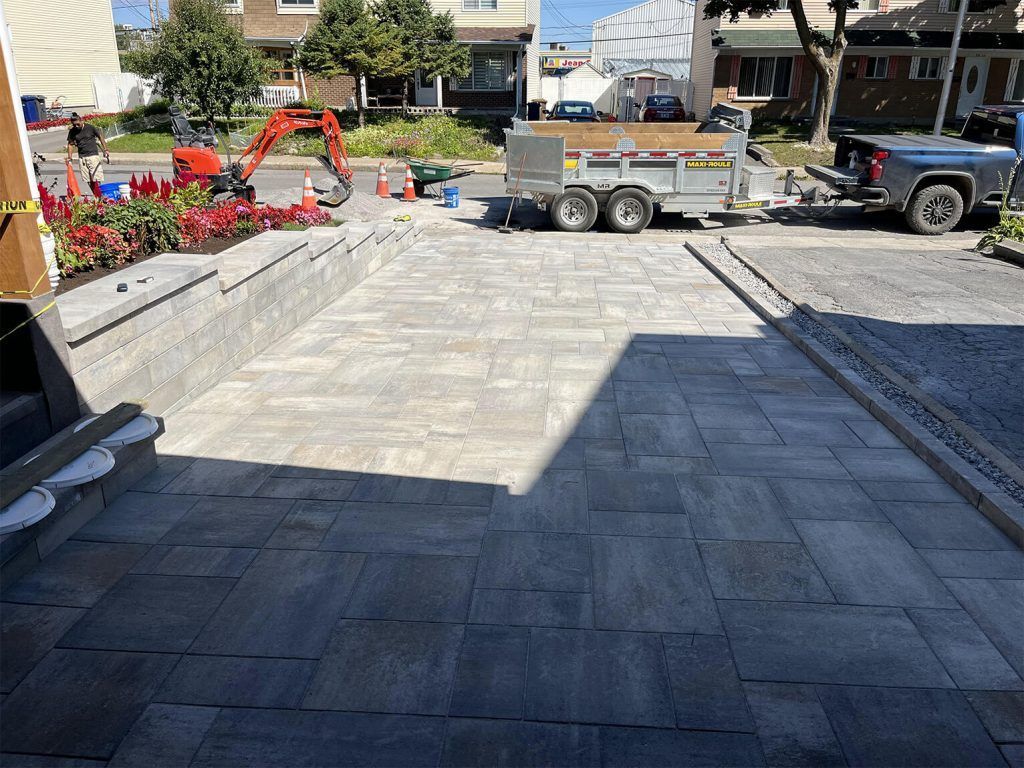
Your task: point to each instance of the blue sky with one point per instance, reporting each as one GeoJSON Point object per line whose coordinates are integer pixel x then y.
{"type": "Point", "coordinates": [562, 20]}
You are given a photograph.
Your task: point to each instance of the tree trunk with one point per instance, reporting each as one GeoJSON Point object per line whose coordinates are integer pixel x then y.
{"type": "Point", "coordinates": [828, 78]}
{"type": "Point", "coordinates": [360, 109]}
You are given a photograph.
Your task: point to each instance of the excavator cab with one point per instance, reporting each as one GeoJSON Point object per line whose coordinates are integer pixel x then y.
{"type": "Point", "coordinates": [194, 155]}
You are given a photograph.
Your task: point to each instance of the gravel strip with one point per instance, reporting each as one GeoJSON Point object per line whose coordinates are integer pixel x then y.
{"type": "Point", "coordinates": [739, 272]}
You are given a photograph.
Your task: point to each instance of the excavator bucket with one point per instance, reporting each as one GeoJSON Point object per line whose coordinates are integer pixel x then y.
{"type": "Point", "coordinates": [332, 194]}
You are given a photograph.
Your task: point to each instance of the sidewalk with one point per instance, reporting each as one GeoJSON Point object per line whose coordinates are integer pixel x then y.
{"type": "Point", "coordinates": [525, 500]}
{"type": "Point", "coordinates": [295, 162]}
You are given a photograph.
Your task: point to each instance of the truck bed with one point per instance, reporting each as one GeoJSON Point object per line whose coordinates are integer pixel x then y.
{"type": "Point", "coordinates": [645, 136]}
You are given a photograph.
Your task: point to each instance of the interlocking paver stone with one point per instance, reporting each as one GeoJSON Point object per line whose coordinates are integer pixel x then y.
{"type": "Point", "coordinates": [1001, 712]}
{"type": "Point", "coordinates": [137, 517]}
{"type": "Point", "coordinates": [872, 564]}
{"type": "Point", "coordinates": [651, 585]}
{"type": "Point", "coordinates": [195, 561]}
{"type": "Point", "coordinates": [28, 634]}
{"type": "Point", "coordinates": [907, 727]}
{"type": "Point", "coordinates": [971, 660]}
{"type": "Point", "coordinates": [572, 671]}
{"type": "Point", "coordinates": [514, 607]}
{"type": "Point", "coordinates": [285, 605]}
{"type": "Point", "coordinates": [387, 666]}
{"type": "Point", "coordinates": [997, 605]}
{"type": "Point", "coordinates": [149, 613]}
{"type": "Point", "coordinates": [510, 744]}
{"type": "Point", "coordinates": [757, 570]}
{"type": "Point", "coordinates": [734, 508]}
{"type": "Point", "coordinates": [705, 688]}
{"type": "Point", "coordinates": [228, 522]}
{"type": "Point", "coordinates": [230, 681]}
{"type": "Point", "coordinates": [417, 529]}
{"type": "Point", "coordinates": [557, 562]}
{"type": "Point", "coordinates": [166, 735]}
{"type": "Point", "coordinates": [792, 726]}
{"type": "Point", "coordinates": [825, 499]}
{"type": "Point", "coordinates": [491, 679]}
{"type": "Point", "coordinates": [556, 502]}
{"type": "Point", "coordinates": [843, 644]}
{"type": "Point", "coordinates": [648, 434]}
{"type": "Point", "coordinates": [413, 588]}
{"type": "Point", "coordinates": [945, 526]}
{"type": "Point", "coordinates": [645, 747]}
{"type": "Point", "coordinates": [633, 491]}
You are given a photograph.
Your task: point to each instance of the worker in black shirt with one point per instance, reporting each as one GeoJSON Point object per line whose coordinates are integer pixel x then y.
{"type": "Point", "coordinates": [88, 140]}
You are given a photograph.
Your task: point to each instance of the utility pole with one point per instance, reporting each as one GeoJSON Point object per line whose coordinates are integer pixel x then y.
{"type": "Point", "coordinates": [947, 82]}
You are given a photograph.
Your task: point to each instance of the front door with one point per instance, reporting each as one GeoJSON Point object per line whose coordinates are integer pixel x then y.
{"type": "Point", "coordinates": [972, 84]}
{"type": "Point", "coordinates": [426, 91]}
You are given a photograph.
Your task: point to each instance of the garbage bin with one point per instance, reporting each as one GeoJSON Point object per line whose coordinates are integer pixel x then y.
{"type": "Point", "coordinates": [34, 108]}
{"type": "Point", "coordinates": [535, 109]}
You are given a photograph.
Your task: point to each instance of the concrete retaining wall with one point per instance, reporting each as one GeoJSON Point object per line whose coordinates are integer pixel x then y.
{"type": "Point", "coordinates": [167, 340]}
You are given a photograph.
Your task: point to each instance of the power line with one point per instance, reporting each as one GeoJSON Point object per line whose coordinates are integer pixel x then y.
{"type": "Point", "coordinates": [617, 39]}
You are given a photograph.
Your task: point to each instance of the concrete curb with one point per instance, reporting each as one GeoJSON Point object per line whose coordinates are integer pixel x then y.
{"type": "Point", "coordinates": [299, 163]}
{"type": "Point", "coordinates": [978, 490]}
{"type": "Point", "coordinates": [1010, 250]}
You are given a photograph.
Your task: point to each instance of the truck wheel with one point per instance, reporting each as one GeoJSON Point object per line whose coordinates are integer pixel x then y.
{"type": "Point", "coordinates": [934, 210]}
{"type": "Point", "coordinates": [575, 210]}
{"type": "Point", "coordinates": [629, 211]}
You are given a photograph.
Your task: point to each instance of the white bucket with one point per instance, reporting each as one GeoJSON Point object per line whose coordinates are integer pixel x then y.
{"type": "Point", "coordinates": [125, 190]}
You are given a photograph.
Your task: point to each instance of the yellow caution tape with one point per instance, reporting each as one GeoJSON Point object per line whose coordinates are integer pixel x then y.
{"type": "Point", "coordinates": [20, 206]}
{"type": "Point", "coordinates": [22, 324]}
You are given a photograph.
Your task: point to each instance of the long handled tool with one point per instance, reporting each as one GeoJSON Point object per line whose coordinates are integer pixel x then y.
{"type": "Point", "coordinates": [515, 194]}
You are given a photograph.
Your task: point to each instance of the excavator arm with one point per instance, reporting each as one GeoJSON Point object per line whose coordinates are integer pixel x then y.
{"type": "Point", "coordinates": [283, 122]}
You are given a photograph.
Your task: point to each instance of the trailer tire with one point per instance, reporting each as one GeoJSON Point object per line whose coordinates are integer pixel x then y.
{"type": "Point", "coordinates": [629, 211]}
{"type": "Point", "coordinates": [575, 210]}
{"type": "Point", "coordinates": [935, 209]}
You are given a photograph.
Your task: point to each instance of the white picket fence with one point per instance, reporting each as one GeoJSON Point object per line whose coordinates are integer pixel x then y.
{"type": "Point", "coordinates": [278, 96]}
{"type": "Point", "coordinates": [118, 91]}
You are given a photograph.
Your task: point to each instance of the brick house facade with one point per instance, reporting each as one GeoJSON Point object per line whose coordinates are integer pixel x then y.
{"type": "Point", "coordinates": [892, 70]}
{"type": "Point", "coordinates": [503, 42]}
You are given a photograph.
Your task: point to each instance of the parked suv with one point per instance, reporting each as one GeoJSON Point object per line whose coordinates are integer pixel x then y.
{"type": "Point", "coordinates": [575, 112]}
{"type": "Point", "coordinates": [662, 108]}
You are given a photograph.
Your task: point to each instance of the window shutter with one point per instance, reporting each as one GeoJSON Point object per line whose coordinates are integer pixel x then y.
{"type": "Point", "coordinates": [915, 62]}
{"type": "Point", "coordinates": [794, 83]}
{"type": "Point", "coordinates": [734, 77]}
{"type": "Point", "coordinates": [943, 6]}
{"type": "Point", "coordinates": [883, 6]}
{"type": "Point", "coordinates": [892, 67]}
{"type": "Point", "coordinates": [862, 67]}
{"type": "Point", "coordinates": [1011, 78]}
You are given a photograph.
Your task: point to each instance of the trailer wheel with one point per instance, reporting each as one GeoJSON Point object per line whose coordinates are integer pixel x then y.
{"type": "Point", "coordinates": [629, 211]}
{"type": "Point", "coordinates": [935, 209]}
{"type": "Point", "coordinates": [575, 210]}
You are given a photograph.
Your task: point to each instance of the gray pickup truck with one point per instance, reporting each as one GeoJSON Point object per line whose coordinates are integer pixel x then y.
{"type": "Point", "coordinates": [933, 180]}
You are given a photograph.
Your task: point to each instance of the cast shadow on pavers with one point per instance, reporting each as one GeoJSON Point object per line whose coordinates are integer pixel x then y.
{"type": "Point", "coordinates": [688, 579]}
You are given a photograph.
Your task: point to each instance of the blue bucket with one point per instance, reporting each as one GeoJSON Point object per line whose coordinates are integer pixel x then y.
{"type": "Point", "coordinates": [451, 197]}
{"type": "Point", "coordinates": [110, 190]}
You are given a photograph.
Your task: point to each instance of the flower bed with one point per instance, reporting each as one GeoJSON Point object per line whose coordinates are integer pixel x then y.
{"type": "Point", "coordinates": [160, 216]}
{"type": "Point", "coordinates": [42, 125]}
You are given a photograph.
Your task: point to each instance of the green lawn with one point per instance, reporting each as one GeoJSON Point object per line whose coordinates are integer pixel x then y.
{"type": "Point", "coordinates": [147, 141]}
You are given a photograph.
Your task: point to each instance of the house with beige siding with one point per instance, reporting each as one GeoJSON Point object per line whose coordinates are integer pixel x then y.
{"type": "Point", "coordinates": [892, 70]}
{"type": "Point", "coordinates": [503, 37]}
{"type": "Point", "coordinates": [59, 45]}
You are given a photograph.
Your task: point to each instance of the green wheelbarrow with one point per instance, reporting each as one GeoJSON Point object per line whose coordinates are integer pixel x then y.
{"type": "Point", "coordinates": [431, 177]}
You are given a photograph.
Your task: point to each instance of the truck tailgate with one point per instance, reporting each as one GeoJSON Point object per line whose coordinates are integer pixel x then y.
{"type": "Point", "coordinates": [542, 159]}
{"type": "Point", "coordinates": [835, 175]}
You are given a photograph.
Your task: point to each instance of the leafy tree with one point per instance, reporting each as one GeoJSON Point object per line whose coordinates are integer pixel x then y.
{"type": "Point", "coordinates": [824, 50]}
{"type": "Point", "coordinates": [349, 39]}
{"type": "Point", "coordinates": [200, 58]}
{"type": "Point", "coordinates": [429, 42]}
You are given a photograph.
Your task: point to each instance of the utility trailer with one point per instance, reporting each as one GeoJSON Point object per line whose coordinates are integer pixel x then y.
{"type": "Point", "coordinates": [577, 170]}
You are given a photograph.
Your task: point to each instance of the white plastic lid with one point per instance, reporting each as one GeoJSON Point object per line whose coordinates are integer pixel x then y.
{"type": "Point", "coordinates": [95, 462]}
{"type": "Point", "coordinates": [26, 510]}
{"type": "Point", "coordinates": [136, 430]}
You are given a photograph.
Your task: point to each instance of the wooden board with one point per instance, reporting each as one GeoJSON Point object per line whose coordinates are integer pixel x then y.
{"type": "Point", "coordinates": [646, 136]}
{"type": "Point", "coordinates": [22, 478]}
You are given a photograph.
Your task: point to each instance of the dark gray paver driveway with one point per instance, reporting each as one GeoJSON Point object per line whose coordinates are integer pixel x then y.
{"type": "Point", "coordinates": [524, 501]}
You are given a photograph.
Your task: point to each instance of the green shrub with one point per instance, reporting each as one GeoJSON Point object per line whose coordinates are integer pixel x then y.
{"type": "Point", "coordinates": [145, 222]}
{"type": "Point", "coordinates": [192, 195]}
{"type": "Point", "coordinates": [1010, 227]}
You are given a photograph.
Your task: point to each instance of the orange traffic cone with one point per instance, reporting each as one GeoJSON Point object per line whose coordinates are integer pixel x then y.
{"type": "Point", "coordinates": [383, 190]}
{"type": "Point", "coordinates": [73, 190]}
{"type": "Point", "coordinates": [409, 192]}
{"type": "Point", "coordinates": [308, 198]}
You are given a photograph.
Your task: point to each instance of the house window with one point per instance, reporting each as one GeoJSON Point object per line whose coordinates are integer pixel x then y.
{"type": "Point", "coordinates": [1015, 83]}
{"type": "Point", "coordinates": [488, 72]}
{"type": "Point", "coordinates": [282, 68]}
{"type": "Point", "coordinates": [479, 5]}
{"type": "Point", "coordinates": [953, 6]}
{"type": "Point", "coordinates": [296, 6]}
{"type": "Point", "coordinates": [867, 6]}
{"type": "Point", "coordinates": [782, 5]}
{"type": "Point", "coordinates": [233, 6]}
{"type": "Point", "coordinates": [765, 77]}
{"type": "Point", "coordinates": [877, 68]}
{"type": "Point", "coordinates": [927, 67]}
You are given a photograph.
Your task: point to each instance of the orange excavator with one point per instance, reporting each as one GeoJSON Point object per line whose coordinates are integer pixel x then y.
{"type": "Point", "coordinates": [195, 154]}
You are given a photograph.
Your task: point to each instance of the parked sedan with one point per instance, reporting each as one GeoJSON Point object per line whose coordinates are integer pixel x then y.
{"type": "Point", "coordinates": [575, 112]}
{"type": "Point", "coordinates": [662, 108]}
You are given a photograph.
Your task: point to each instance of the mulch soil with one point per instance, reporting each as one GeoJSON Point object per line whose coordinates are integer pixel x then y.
{"type": "Point", "coordinates": [213, 246]}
